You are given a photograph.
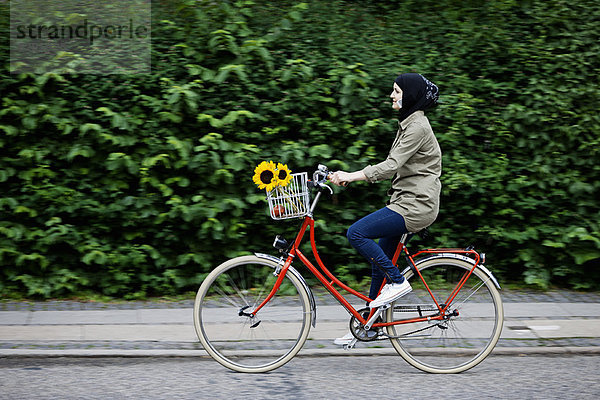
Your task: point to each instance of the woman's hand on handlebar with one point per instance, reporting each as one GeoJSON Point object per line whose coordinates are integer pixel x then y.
{"type": "Point", "coordinates": [342, 178]}
{"type": "Point", "coordinates": [339, 178]}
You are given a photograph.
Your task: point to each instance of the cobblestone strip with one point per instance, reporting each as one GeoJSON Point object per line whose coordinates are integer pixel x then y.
{"type": "Point", "coordinates": [312, 344]}
{"type": "Point", "coordinates": [508, 296]}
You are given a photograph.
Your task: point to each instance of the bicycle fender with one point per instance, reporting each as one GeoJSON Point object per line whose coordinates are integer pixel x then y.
{"type": "Point", "coordinates": [294, 271]}
{"type": "Point", "coordinates": [486, 271]}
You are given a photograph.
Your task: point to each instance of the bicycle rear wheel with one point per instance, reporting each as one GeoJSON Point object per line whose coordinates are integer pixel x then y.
{"type": "Point", "coordinates": [469, 332]}
{"type": "Point", "coordinates": [244, 343]}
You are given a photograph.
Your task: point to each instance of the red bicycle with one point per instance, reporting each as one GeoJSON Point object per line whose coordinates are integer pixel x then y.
{"type": "Point", "coordinates": [449, 323]}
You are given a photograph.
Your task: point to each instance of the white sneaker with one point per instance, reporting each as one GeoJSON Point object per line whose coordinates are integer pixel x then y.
{"type": "Point", "coordinates": [348, 337]}
{"type": "Point", "coordinates": [390, 293]}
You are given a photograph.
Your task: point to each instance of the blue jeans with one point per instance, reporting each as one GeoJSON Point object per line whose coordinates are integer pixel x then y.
{"type": "Point", "coordinates": [387, 226]}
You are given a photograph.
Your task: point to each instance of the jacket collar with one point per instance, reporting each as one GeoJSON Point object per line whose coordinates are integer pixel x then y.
{"type": "Point", "coordinates": [412, 117]}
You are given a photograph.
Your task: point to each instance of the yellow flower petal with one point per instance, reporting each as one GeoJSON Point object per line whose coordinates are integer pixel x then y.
{"type": "Point", "coordinates": [264, 175]}
{"type": "Point", "coordinates": [283, 175]}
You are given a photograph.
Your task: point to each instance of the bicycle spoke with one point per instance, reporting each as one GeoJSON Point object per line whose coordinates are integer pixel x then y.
{"type": "Point", "coordinates": [259, 297]}
{"type": "Point", "coordinates": [225, 296]}
{"type": "Point", "coordinates": [472, 291]}
{"type": "Point", "coordinates": [238, 291]}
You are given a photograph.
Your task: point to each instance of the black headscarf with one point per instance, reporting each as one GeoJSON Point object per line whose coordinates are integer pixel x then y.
{"type": "Point", "coordinates": [417, 94]}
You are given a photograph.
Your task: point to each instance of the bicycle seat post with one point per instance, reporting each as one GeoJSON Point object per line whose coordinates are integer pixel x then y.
{"type": "Point", "coordinates": [404, 238]}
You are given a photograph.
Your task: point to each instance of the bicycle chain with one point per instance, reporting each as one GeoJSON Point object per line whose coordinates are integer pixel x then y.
{"type": "Point", "coordinates": [359, 332]}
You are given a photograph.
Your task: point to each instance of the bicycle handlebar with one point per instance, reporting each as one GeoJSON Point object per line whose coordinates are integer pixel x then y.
{"type": "Point", "coordinates": [320, 176]}
{"type": "Point", "coordinates": [326, 174]}
{"type": "Point", "coordinates": [322, 171]}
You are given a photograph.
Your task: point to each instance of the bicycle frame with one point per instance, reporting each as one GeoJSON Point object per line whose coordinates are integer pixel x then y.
{"type": "Point", "coordinates": [329, 280]}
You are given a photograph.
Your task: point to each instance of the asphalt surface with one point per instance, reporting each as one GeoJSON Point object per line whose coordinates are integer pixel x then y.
{"type": "Point", "coordinates": [556, 322]}
{"type": "Point", "coordinates": [304, 378]}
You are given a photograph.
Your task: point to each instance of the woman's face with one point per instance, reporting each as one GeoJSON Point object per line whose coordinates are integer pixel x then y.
{"type": "Point", "coordinates": [396, 96]}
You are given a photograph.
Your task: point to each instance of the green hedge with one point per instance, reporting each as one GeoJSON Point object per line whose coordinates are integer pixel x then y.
{"type": "Point", "coordinates": [132, 186]}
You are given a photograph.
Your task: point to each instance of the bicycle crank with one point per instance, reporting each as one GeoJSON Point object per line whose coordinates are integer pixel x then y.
{"type": "Point", "coordinates": [360, 332]}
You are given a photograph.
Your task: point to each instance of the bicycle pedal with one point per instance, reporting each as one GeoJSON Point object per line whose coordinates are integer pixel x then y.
{"type": "Point", "coordinates": [350, 345]}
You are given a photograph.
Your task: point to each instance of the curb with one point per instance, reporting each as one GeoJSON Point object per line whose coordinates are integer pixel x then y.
{"type": "Point", "coordinates": [108, 353]}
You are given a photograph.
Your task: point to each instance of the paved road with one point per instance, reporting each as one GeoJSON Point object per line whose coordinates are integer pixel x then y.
{"type": "Point", "coordinates": [539, 377]}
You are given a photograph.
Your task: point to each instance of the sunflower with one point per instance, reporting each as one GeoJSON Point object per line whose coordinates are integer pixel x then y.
{"type": "Point", "coordinates": [264, 175]}
{"type": "Point", "coordinates": [283, 175]}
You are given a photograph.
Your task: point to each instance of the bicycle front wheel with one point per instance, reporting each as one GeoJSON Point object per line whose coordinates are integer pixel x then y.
{"type": "Point", "coordinates": [471, 327]}
{"type": "Point", "coordinates": [241, 342]}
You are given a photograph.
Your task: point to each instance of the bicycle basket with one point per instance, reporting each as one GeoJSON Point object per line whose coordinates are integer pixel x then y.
{"type": "Point", "coordinates": [290, 201]}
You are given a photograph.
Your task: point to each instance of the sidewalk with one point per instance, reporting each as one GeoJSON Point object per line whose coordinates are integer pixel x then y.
{"type": "Point", "coordinates": [570, 324]}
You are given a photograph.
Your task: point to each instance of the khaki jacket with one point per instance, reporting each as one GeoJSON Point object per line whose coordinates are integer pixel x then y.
{"type": "Point", "coordinates": [414, 164]}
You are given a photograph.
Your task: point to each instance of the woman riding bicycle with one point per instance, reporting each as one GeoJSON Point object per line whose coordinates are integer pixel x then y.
{"type": "Point", "coordinates": [414, 164]}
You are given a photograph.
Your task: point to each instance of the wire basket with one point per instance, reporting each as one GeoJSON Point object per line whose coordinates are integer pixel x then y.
{"type": "Point", "coordinates": [290, 201]}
